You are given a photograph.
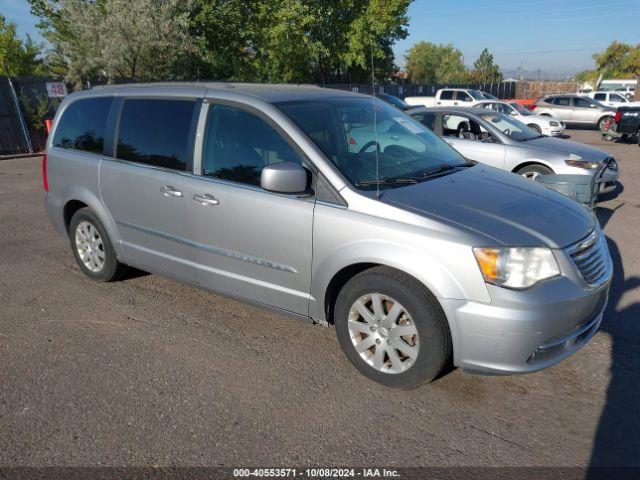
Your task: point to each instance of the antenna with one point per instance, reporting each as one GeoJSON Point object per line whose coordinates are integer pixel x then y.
{"type": "Point", "coordinates": [375, 120]}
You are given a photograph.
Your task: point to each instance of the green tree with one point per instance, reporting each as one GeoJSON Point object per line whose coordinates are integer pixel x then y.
{"type": "Point", "coordinates": [431, 63]}
{"type": "Point", "coordinates": [619, 60]}
{"type": "Point", "coordinates": [118, 39]}
{"type": "Point", "coordinates": [484, 70]}
{"type": "Point", "coordinates": [299, 40]}
{"type": "Point", "coordinates": [17, 57]}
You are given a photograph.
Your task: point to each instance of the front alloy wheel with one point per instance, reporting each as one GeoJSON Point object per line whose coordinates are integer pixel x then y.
{"type": "Point", "coordinates": [383, 333]}
{"type": "Point", "coordinates": [392, 328]}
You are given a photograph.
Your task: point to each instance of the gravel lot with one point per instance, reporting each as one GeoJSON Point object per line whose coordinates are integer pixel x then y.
{"type": "Point", "coordinates": [151, 372]}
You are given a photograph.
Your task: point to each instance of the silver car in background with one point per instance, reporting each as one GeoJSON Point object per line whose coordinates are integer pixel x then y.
{"type": "Point", "coordinates": [540, 123]}
{"type": "Point", "coordinates": [575, 110]}
{"type": "Point", "coordinates": [335, 208]}
{"type": "Point", "coordinates": [501, 141]}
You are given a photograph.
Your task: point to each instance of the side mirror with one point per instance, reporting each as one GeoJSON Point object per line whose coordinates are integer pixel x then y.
{"type": "Point", "coordinates": [514, 113]}
{"type": "Point", "coordinates": [284, 177]}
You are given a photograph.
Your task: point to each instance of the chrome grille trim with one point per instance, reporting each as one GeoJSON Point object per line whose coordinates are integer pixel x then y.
{"type": "Point", "coordinates": [591, 257]}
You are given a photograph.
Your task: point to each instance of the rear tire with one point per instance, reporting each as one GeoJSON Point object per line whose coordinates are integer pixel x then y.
{"type": "Point", "coordinates": [602, 123]}
{"type": "Point", "coordinates": [534, 171]}
{"type": "Point", "coordinates": [402, 335]}
{"type": "Point", "coordinates": [92, 247]}
{"type": "Point", "coordinates": [535, 127]}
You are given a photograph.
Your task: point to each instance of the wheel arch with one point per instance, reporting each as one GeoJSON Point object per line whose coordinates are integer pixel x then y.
{"type": "Point", "coordinates": [536, 161]}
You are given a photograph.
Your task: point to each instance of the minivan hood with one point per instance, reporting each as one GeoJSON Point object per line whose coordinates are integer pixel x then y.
{"type": "Point", "coordinates": [508, 208]}
{"type": "Point", "coordinates": [567, 147]}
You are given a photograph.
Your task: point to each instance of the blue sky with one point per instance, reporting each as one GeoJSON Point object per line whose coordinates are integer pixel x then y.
{"type": "Point", "coordinates": [556, 36]}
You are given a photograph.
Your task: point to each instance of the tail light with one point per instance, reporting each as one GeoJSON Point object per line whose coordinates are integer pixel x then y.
{"type": "Point", "coordinates": [618, 116]}
{"type": "Point", "coordinates": [45, 180]}
{"type": "Point", "coordinates": [532, 107]}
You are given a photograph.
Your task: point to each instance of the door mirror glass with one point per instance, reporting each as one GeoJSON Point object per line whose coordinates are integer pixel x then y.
{"type": "Point", "coordinates": [284, 177]}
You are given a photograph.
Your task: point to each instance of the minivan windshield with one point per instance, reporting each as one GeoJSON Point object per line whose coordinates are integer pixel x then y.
{"type": "Point", "coordinates": [371, 143]}
{"type": "Point", "coordinates": [512, 128]}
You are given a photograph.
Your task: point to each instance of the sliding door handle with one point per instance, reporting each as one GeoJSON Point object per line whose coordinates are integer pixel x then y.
{"type": "Point", "coordinates": [169, 191]}
{"type": "Point", "coordinates": [206, 200]}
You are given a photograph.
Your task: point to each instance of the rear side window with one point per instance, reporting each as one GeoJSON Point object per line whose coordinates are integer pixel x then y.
{"type": "Point", "coordinates": [562, 101]}
{"type": "Point", "coordinates": [446, 95]}
{"type": "Point", "coordinates": [581, 102]}
{"type": "Point", "coordinates": [83, 124]}
{"type": "Point", "coordinates": [600, 96]}
{"type": "Point", "coordinates": [156, 132]}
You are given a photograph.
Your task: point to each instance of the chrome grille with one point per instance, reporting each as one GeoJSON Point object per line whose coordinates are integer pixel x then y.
{"type": "Point", "coordinates": [591, 256]}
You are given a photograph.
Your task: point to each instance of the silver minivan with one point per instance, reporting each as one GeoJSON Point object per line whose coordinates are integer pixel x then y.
{"type": "Point", "coordinates": [283, 196]}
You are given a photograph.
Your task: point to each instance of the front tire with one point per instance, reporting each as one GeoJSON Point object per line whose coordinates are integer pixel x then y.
{"type": "Point", "coordinates": [392, 329]}
{"type": "Point", "coordinates": [92, 247]}
{"type": "Point", "coordinates": [534, 171]}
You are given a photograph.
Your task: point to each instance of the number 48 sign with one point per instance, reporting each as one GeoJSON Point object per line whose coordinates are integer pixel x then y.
{"type": "Point", "coordinates": [56, 89]}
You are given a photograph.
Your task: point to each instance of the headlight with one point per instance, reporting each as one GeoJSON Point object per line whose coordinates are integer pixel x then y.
{"type": "Point", "coordinates": [516, 267]}
{"type": "Point", "coordinates": [583, 164]}
{"type": "Point", "coordinates": [554, 124]}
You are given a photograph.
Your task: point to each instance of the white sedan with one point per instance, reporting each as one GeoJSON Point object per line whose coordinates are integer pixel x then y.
{"type": "Point", "coordinates": [540, 123]}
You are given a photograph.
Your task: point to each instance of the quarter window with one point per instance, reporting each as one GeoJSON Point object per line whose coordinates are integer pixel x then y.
{"type": "Point", "coordinates": [238, 144]}
{"type": "Point", "coordinates": [156, 132]}
{"type": "Point", "coordinates": [83, 124]}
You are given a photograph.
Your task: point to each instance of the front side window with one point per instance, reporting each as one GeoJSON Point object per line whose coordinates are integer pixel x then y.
{"type": "Point", "coordinates": [370, 142]}
{"type": "Point", "coordinates": [82, 125]}
{"type": "Point", "coordinates": [615, 97]}
{"type": "Point", "coordinates": [239, 144]}
{"type": "Point", "coordinates": [463, 96]}
{"type": "Point", "coordinates": [156, 132]}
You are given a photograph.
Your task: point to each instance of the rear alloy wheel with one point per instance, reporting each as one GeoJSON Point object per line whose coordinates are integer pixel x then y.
{"type": "Point", "coordinates": [606, 124]}
{"type": "Point", "coordinates": [534, 171]}
{"type": "Point", "coordinates": [92, 247]}
{"type": "Point", "coordinates": [391, 328]}
{"type": "Point", "coordinates": [535, 127]}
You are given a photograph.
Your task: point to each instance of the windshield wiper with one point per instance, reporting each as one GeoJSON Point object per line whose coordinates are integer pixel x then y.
{"type": "Point", "coordinates": [388, 181]}
{"type": "Point", "coordinates": [445, 167]}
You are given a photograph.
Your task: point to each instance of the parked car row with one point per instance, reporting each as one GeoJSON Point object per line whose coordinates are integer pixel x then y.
{"type": "Point", "coordinates": [499, 140]}
{"type": "Point", "coordinates": [337, 208]}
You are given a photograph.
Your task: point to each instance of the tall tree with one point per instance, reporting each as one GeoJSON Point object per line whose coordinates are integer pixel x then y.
{"type": "Point", "coordinates": [484, 70]}
{"type": "Point", "coordinates": [17, 57]}
{"type": "Point", "coordinates": [299, 40]}
{"type": "Point", "coordinates": [619, 60]}
{"type": "Point", "coordinates": [128, 39]}
{"type": "Point", "coordinates": [431, 63]}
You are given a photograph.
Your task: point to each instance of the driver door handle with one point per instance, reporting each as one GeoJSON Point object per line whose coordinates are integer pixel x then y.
{"type": "Point", "coordinates": [169, 191]}
{"type": "Point", "coordinates": [206, 200]}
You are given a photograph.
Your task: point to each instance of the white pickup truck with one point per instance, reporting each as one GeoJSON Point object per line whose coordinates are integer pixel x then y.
{"type": "Point", "coordinates": [612, 99]}
{"type": "Point", "coordinates": [448, 97]}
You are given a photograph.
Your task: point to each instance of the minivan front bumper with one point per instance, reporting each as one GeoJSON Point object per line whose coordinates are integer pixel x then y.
{"type": "Point", "coordinates": [528, 330]}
